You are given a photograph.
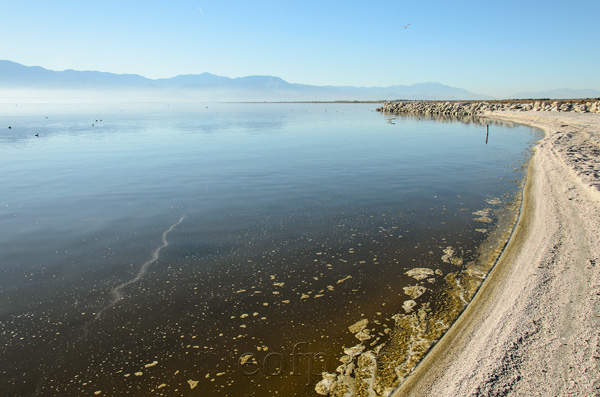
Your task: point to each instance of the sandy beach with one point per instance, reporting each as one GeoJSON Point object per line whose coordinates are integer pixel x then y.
{"type": "Point", "coordinates": [533, 329]}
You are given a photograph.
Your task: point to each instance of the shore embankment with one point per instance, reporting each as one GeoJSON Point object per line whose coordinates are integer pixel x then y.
{"type": "Point", "coordinates": [481, 107]}
{"type": "Point", "coordinates": [532, 329]}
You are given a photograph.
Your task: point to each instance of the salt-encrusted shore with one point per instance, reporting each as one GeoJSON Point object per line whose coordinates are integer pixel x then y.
{"type": "Point", "coordinates": [533, 329]}
{"type": "Point", "coordinates": [479, 108]}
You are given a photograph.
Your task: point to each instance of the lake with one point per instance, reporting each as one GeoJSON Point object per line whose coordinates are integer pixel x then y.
{"type": "Point", "coordinates": [225, 249]}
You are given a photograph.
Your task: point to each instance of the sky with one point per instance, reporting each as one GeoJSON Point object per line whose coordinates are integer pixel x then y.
{"type": "Point", "coordinates": [495, 48]}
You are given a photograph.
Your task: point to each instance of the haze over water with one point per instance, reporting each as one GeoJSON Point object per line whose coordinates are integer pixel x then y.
{"type": "Point", "coordinates": [145, 248]}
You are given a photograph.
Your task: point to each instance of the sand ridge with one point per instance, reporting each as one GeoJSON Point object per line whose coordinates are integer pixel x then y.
{"type": "Point", "coordinates": [533, 328]}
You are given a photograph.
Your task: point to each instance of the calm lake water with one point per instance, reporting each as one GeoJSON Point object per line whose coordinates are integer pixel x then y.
{"type": "Point", "coordinates": [145, 248]}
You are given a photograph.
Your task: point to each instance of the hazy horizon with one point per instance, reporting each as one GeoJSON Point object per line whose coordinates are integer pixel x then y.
{"type": "Point", "coordinates": [36, 84]}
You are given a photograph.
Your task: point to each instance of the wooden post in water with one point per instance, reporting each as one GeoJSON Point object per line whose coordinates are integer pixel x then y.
{"type": "Point", "coordinates": [487, 132]}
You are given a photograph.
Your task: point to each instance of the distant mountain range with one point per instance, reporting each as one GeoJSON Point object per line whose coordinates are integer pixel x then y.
{"type": "Point", "coordinates": [36, 83]}
{"type": "Point", "coordinates": [18, 79]}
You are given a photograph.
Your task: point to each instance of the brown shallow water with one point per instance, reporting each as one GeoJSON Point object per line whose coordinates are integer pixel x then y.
{"type": "Point", "coordinates": [297, 223]}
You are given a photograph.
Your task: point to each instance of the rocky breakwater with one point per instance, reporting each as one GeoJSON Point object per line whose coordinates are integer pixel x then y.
{"type": "Point", "coordinates": [479, 108]}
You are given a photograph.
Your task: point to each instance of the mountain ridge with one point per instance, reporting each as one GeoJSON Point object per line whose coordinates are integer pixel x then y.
{"type": "Point", "coordinates": [208, 86]}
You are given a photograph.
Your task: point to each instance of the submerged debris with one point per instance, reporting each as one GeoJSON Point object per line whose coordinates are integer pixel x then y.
{"type": "Point", "coordinates": [414, 291]}
{"type": "Point", "coordinates": [484, 215]}
{"type": "Point", "coordinates": [379, 371]}
{"type": "Point", "coordinates": [494, 201]}
{"type": "Point", "coordinates": [152, 364]}
{"type": "Point", "coordinates": [409, 305]}
{"type": "Point", "coordinates": [449, 257]}
{"type": "Point", "coordinates": [358, 326]}
{"type": "Point", "coordinates": [343, 279]}
{"type": "Point", "coordinates": [448, 253]}
{"type": "Point", "coordinates": [420, 273]}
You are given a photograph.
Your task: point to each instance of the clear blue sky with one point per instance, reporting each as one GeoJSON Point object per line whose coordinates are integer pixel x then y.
{"type": "Point", "coordinates": [488, 47]}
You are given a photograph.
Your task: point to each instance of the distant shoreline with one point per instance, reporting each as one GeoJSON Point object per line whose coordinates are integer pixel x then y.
{"type": "Point", "coordinates": [308, 102]}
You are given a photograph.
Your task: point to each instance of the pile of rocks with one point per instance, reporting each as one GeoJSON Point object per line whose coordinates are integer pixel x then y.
{"type": "Point", "coordinates": [478, 108]}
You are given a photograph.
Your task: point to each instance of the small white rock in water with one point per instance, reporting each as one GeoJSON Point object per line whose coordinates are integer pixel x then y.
{"type": "Point", "coordinates": [484, 215]}
{"type": "Point", "coordinates": [420, 273]}
{"type": "Point", "coordinates": [448, 253]}
{"type": "Point", "coordinates": [193, 383]}
{"type": "Point", "coordinates": [494, 201]}
{"type": "Point", "coordinates": [325, 386]}
{"type": "Point", "coordinates": [244, 359]}
{"type": "Point", "coordinates": [414, 291]}
{"type": "Point", "coordinates": [345, 360]}
{"type": "Point", "coordinates": [358, 326]}
{"type": "Point", "coordinates": [152, 364]}
{"type": "Point", "coordinates": [343, 279]}
{"type": "Point", "coordinates": [354, 350]}
{"type": "Point", "coordinates": [456, 261]}
{"type": "Point", "coordinates": [362, 335]}
{"type": "Point", "coordinates": [409, 305]}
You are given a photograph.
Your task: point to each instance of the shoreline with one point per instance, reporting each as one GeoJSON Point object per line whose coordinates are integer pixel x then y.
{"type": "Point", "coordinates": [530, 329]}
{"type": "Point", "coordinates": [382, 369]}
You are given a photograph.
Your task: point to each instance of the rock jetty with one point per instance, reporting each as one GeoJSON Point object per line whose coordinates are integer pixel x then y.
{"type": "Point", "coordinates": [479, 108]}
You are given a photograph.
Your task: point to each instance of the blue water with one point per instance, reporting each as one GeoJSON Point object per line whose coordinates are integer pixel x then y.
{"type": "Point", "coordinates": [167, 220]}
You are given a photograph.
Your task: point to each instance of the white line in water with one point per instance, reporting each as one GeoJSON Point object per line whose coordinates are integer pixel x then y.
{"type": "Point", "coordinates": [117, 296]}
{"type": "Point", "coordinates": [116, 292]}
